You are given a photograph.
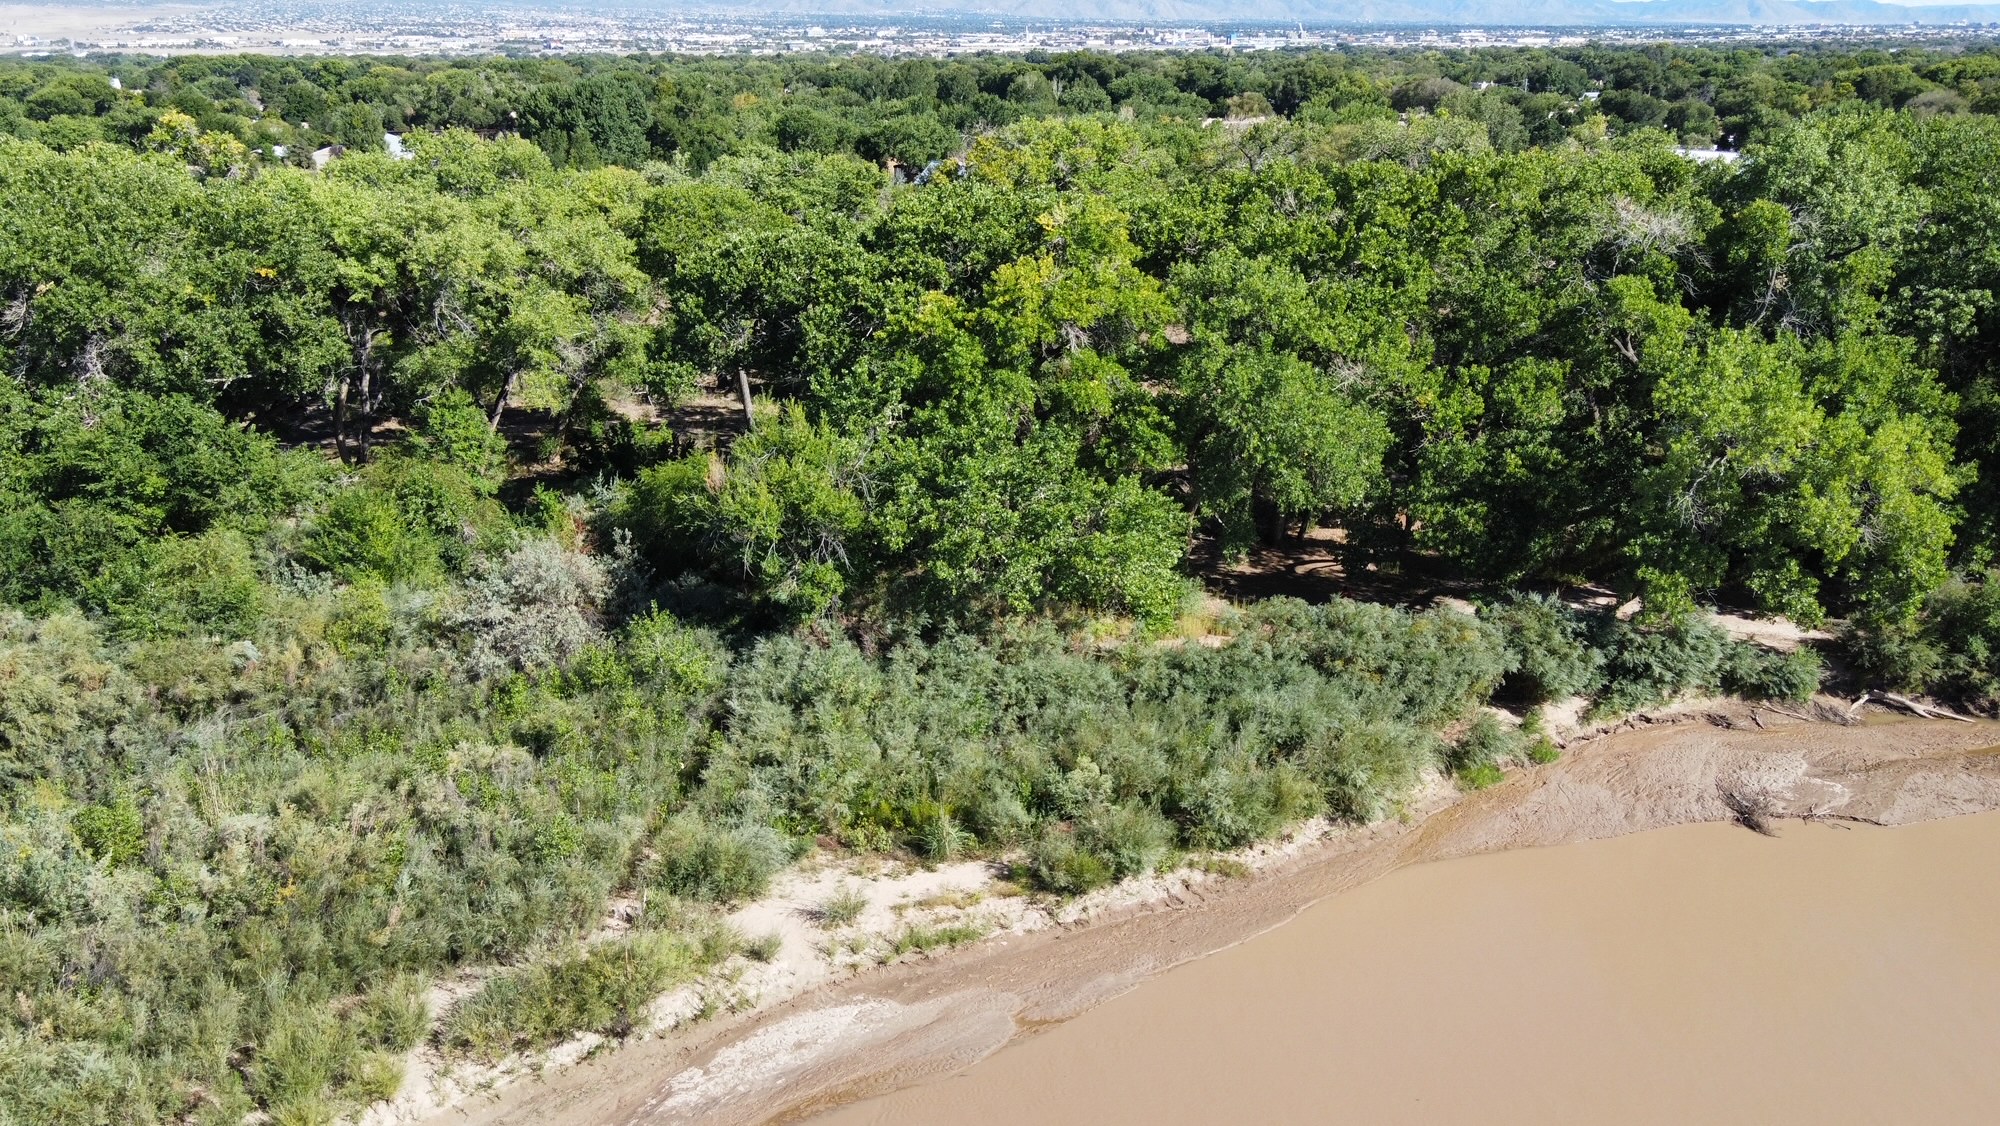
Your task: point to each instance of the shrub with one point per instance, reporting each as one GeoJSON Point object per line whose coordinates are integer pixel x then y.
{"type": "Point", "coordinates": [665, 654]}
{"type": "Point", "coordinates": [666, 510]}
{"type": "Point", "coordinates": [600, 990]}
{"type": "Point", "coordinates": [1650, 665]}
{"type": "Point", "coordinates": [716, 864]}
{"type": "Point", "coordinates": [93, 476]}
{"type": "Point", "coordinates": [1897, 653]}
{"type": "Point", "coordinates": [532, 609]}
{"type": "Point", "coordinates": [935, 833]}
{"type": "Point", "coordinates": [1056, 863]}
{"type": "Point", "coordinates": [1756, 673]}
{"type": "Point", "coordinates": [375, 1076]}
{"type": "Point", "coordinates": [781, 515]}
{"type": "Point", "coordinates": [1548, 649]}
{"type": "Point", "coordinates": [1541, 749]}
{"type": "Point", "coordinates": [361, 534]}
{"type": "Point", "coordinates": [303, 1053]}
{"type": "Point", "coordinates": [178, 585]}
{"type": "Point", "coordinates": [1132, 840]}
{"type": "Point", "coordinates": [1950, 648]}
{"type": "Point", "coordinates": [1486, 745]}
{"type": "Point", "coordinates": [1421, 668]}
{"type": "Point", "coordinates": [1109, 844]}
{"type": "Point", "coordinates": [440, 501]}
{"type": "Point", "coordinates": [1219, 807]}
{"type": "Point", "coordinates": [452, 430]}
{"type": "Point", "coordinates": [1364, 766]}
{"type": "Point", "coordinates": [113, 833]}
{"type": "Point", "coordinates": [394, 1016]}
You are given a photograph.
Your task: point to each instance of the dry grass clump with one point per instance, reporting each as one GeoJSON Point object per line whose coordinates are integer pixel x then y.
{"type": "Point", "coordinates": [841, 908]}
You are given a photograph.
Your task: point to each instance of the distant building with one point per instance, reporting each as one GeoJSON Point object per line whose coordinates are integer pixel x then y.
{"type": "Point", "coordinates": [1710, 156]}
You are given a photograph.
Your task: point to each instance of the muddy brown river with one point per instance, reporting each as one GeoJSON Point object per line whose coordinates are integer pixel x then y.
{"type": "Point", "coordinates": [1587, 942]}
{"type": "Point", "coordinates": [1699, 973]}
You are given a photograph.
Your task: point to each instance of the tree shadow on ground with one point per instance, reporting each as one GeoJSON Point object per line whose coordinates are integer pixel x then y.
{"type": "Point", "coordinates": [1321, 566]}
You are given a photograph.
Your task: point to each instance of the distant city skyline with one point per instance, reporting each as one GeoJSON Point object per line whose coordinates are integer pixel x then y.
{"type": "Point", "coordinates": [446, 27]}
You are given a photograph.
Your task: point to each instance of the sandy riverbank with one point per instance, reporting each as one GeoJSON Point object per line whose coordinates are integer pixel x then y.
{"type": "Point", "coordinates": [854, 1037]}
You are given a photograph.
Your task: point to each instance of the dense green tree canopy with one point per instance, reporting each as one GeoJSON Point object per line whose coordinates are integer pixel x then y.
{"type": "Point", "coordinates": [659, 465]}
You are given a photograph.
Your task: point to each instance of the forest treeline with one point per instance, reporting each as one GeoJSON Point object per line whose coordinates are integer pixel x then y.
{"type": "Point", "coordinates": [587, 111]}
{"type": "Point", "coordinates": [391, 576]}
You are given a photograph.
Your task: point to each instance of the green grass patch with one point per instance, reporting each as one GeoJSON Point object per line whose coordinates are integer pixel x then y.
{"type": "Point", "coordinates": [923, 938]}
{"type": "Point", "coordinates": [602, 989]}
{"type": "Point", "coordinates": [1481, 775]}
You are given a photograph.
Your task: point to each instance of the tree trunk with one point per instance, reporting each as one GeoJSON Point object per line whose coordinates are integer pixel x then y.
{"type": "Point", "coordinates": [361, 339]}
{"type": "Point", "coordinates": [340, 420]}
{"type": "Point", "coordinates": [743, 381]}
{"type": "Point", "coordinates": [500, 403]}
{"type": "Point", "coordinates": [367, 401]}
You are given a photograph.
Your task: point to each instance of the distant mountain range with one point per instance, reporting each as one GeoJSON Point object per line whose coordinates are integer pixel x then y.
{"type": "Point", "coordinates": [1476, 13]}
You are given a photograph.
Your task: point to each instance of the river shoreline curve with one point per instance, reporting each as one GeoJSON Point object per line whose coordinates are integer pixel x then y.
{"type": "Point", "coordinates": [914, 1020]}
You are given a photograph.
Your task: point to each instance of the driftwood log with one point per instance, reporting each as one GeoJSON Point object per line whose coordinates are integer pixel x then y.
{"type": "Point", "coordinates": [1924, 711]}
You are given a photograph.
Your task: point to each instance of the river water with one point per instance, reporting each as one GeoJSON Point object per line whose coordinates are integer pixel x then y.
{"type": "Point", "coordinates": [1699, 974]}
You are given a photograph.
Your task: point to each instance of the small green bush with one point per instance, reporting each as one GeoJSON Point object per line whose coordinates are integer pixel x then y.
{"type": "Point", "coordinates": [394, 1016]}
{"type": "Point", "coordinates": [452, 430]}
{"type": "Point", "coordinates": [1488, 743]}
{"type": "Point", "coordinates": [1755, 673]}
{"type": "Point", "coordinates": [1363, 767]}
{"type": "Point", "coordinates": [1108, 844]}
{"type": "Point", "coordinates": [1549, 649]}
{"type": "Point", "coordinates": [113, 833]}
{"type": "Point", "coordinates": [1651, 665]}
{"type": "Point", "coordinates": [1057, 863]}
{"type": "Point", "coordinates": [1132, 840]}
{"type": "Point", "coordinates": [375, 1076]}
{"type": "Point", "coordinates": [185, 584]}
{"type": "Point", "coordinates": [1901, 654]}
{"type": "Point", "coordinates": [665, 654]}
{"type": "Point", "coordinates": [936, 834]}
{"type": "Point", "coordinates": [780, 515]}
{"type": "Point", "coordinates": [302, 1055]}
{"type": "Point", "coordinates": [1480, 776]}
{"type": "Point", "coordinates": [362, 534]}
{"type": "Point", "coordinates": [1541, 749]}
{"type": "Point", "coordinates": [601, 990]}
{"type": "Point", "coordinates": [716, 863]}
